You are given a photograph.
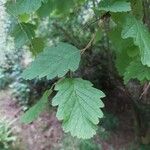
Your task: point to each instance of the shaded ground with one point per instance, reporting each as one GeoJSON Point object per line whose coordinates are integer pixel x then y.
{"type": "Point", "coordinates": [43, 134]}
{"type": "Point", "coordinates": [46, 132]}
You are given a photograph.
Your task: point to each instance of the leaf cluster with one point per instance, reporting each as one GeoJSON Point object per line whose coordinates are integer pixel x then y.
{"type": "Point", "coordinates": [117, 21]}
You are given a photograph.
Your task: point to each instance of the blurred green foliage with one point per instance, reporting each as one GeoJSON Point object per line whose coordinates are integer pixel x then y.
{"type": "Point", "coordinates": [6, 136]}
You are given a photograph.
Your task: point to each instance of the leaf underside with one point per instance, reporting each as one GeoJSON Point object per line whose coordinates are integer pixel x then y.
{"type": "Point", "coordinates": [78, 106]}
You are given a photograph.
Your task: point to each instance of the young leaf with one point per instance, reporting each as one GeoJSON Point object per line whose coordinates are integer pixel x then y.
{"type": "Point", "coordinates": [54, 61]}
{"type": "Point", "coordinates": [24, 18]}
{"type": "Point", "coordinates": [141, 36]}
{"type": "Point", "coordinates": [114, 6]}
{"type": "Point", "coordinates": [22, 6]}
{"type": "Point", "coordinates": [78, 106]}
{"type": "Point", "coordinates": [23, 34]}
{"type": "Point", "coordinates": [136, 70]}
{"type": "Point", "coordinates": [33, 113]}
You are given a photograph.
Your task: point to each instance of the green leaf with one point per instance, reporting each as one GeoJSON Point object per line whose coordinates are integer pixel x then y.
{"type": "Point", "coordinates": [24, 18]}
{"type": "Point", "coordinates": [115, 36]}
{"type": "Point", "coordinates": [136, 30]}
{"type": "Point", "coordinates": [133, 51]}
{"type": "Point", "coordinates": [23, 34]}
{"type": "Point", "coordinates": [34, 112]}
{"type": "Point", "coordinates": [136, 70]}
{"type": "Point", "coordinates": [54, 61]}
{"type": "Point", "coordinates": [122, 61]}
{"type": "Point", "coordinates": [63, 7]}
{"type": "Point", "coordinates": [45, 9]}
{"type": "Point", "coordinates": [22, 6]}
{"type": "Point", "coordinates": [78, 106]}
{"type": "Point", "coordinates": [125, 50]}
{"type": "Point", "coordinates": [37, 45]}
{"type": "Point", "coordinates": [114, 6]}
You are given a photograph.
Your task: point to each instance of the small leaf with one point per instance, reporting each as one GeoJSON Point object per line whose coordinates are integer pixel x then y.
{"type": "Point", "coordinates": [54, 61]}
{"type": "Point", "coordinates": [114, 6]}
{"type": "Point", "coordinates": [23, 34]}
{"type": "Point", "coordinates": [78, 106]}
{"type": "Point", "coordinates": [141, 36]}
{"type": "Point", "coordinates": [24, 18]}
{"type": "Point", "coordinates": [18, 7]}
{"type": "Point", "coordinates": [34, 112]}
{"type": "Point", "coordinates": [136, 70]}
{"type": "Point", "coordinates": [37, 45]}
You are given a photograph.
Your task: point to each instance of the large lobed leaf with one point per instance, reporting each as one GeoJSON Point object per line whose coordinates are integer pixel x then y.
{"type": "Point", "coordinates": [78, 106]}
{"type": "Point", "coordinates": [115, 6]}
{"type": "Point", "coordinates": [54, 61]}
{"type": "Point", "coordinates": [141, 36]}
{"type": "Point", "coordinates": [34, 112]}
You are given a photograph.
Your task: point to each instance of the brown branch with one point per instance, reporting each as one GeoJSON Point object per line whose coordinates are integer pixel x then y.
{"type": "Point", "coordinates": [89, 44]}
{"type": "Point", "coordinates": [146, 88]}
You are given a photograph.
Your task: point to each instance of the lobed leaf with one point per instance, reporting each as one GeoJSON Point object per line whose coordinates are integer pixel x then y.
{"type": "Point", "coordinates": [141, 36]}
{"type": "Point", "coordinates": [54, 61]}
{"type": "Point", "coordinates": [136, 70]}
{"type": "Point", "coordinates": [78, 106]}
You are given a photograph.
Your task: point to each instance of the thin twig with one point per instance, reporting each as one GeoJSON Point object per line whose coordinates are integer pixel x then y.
{"type": "Point", "coordinates": [89, 44]}
{"type": "Point", "coordinates": [146, 88]}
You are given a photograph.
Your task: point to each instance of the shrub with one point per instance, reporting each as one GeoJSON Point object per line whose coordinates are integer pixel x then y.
{"type": "Point", "coordinates": [4, 80]}
{"type": "Point", "coordinates": [6, 136]}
